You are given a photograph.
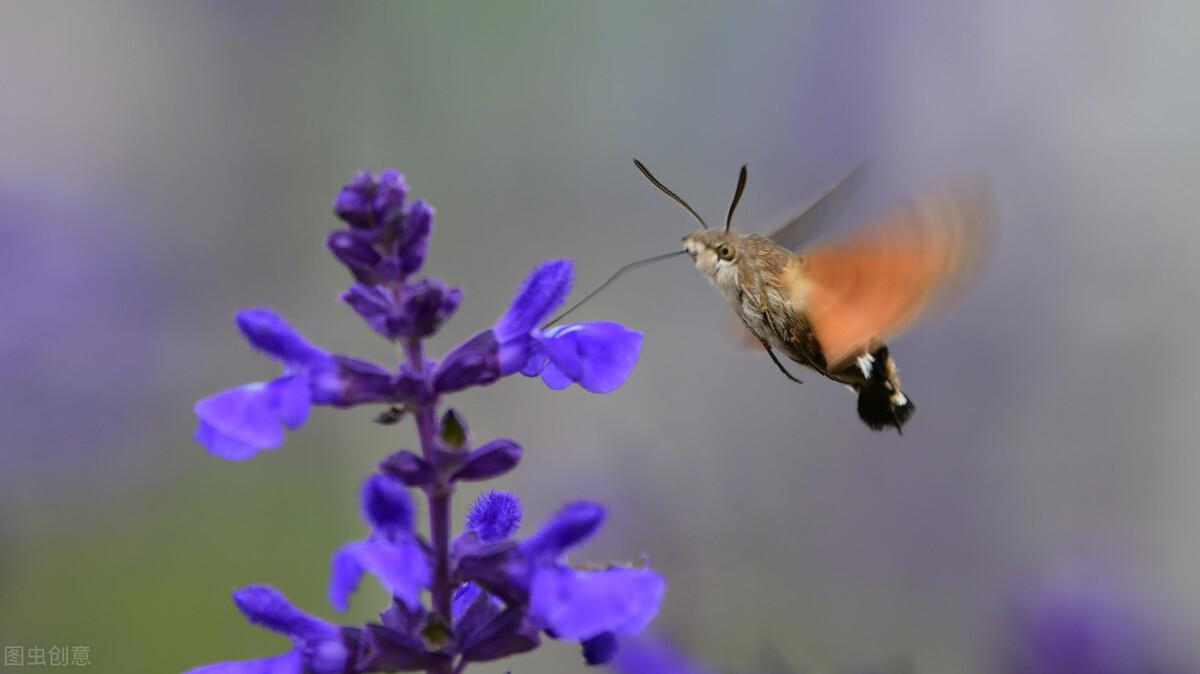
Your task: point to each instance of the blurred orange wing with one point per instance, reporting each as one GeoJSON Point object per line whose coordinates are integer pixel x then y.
{"type": "Point", "coordinates": [872, 285]}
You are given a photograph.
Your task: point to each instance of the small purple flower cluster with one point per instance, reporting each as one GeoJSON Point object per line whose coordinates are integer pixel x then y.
{"type": "Point", "coordinates": [489, 596]}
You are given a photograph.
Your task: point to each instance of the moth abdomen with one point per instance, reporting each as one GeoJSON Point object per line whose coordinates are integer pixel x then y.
{"type": "Point", "coordinates": [881, 403]}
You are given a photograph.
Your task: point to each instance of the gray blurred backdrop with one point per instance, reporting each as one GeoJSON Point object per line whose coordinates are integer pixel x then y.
{"type": "Point", "coordinates": [163, 164]}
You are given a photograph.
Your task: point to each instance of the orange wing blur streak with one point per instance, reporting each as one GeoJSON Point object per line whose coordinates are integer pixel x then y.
{"type": "Point", "coordinates": [874, 284]}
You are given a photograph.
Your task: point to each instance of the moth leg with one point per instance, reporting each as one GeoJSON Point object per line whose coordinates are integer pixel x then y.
{"type": "Point", "coordinates": [774, 359]}
{"type": "Point", "coordinates": [767, 345]}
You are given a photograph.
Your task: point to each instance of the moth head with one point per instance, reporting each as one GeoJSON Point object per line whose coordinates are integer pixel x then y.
{"type": "Point", "coordinates": [712, 250]}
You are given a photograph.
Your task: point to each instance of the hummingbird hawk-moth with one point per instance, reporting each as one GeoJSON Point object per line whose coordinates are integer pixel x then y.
{"type": "Point", "coordinates": [831, 307]}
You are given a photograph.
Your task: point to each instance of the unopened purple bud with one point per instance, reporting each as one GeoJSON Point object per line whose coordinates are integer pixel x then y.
{"type": "Point", "coordinates": [353, 203]}
{"type": "Point", "coordinates": [427, 304]}
{"type": "Point", "coordinates": [358, 255]}
{"type": "Point", "coordinates": [475, 362]}
{"type": "Point", "coordinates": [390, 191]}
{"type": "Point", "coordinates": [375, 305]}
{"type": "Point", "coordinates": [491, 460]}
{"type": "Point", "coordinates": [409, 468]}
{"type": "Point", "coordinates": [387, 505]}
{"type": "Point", "coordinates": [413, 243]}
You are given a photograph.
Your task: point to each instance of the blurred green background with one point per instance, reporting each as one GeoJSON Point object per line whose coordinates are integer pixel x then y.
{"type": "Point", "coordinates": [163, 164]}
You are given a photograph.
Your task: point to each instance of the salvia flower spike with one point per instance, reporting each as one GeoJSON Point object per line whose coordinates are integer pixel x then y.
{"type": "Point", "coordinates": [483, 594]}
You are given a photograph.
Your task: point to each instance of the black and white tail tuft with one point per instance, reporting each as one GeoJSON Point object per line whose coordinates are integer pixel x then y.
{"type": "Point", "coordinates": [881, 403]}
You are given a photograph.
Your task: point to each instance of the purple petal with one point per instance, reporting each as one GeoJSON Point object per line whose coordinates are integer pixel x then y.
{"type": "Point", "coordinates": [390, 191]}
{"type": "Point", "coordinates": [427, 305]}
{"type": "Point", "coordinates": [353, 202]}
{"type": "Point", "coordinates": [464, 596]}
{"type": "Point", "coordinates": [401, 567]}
{"type": "Point", "coordinates": [289, 399]}
{"type": "Point", "coordinates": [409, 468]}
{"type": "Point", "coordinates": [489, 461]}
{"type": "Point", "coordinates": [415, 240]}
{"type": "Point", "coordinates": [269, 333]}
{"type": "Point", "coordinates": [372, 304]}
{"type": "Point", "coordinates": [535, 362]}
{"type": "Point", "coordinates": [387, 506]}
{"type": "Point", "coordinates": [600, 649]}
{"type": "Point", "coordinates": [286, 663]}
{"type": "Point", "coordinates": [494, 516]}
{"type": "Point", "coordinates": [563, 354]}
{"type": "Point", "coordinates": [521, 353]}
{"type": "Point", "coordinates": [485, 630]}
{"type": "Point", "coordinates": [357, 254]}
{"type": "Point", "coordinates": [599, 356]}
{"type": "Point", "coordinates": [583, 604]}
{"type": "Point", "coordinates": [264, 605]}
{"type": "Point", "coordinates": [570, 526]}
{"type": "Point", "coordinates": [554, 378]}
{"type": "Point", "coordinates": [224, 446]}
{"type": "Point", "coordinates": [344, 575]}
{"type": "Point", "coordinates": [505, 634]}
{"type": "Point", "coordinates": [475, 362]}
{"type": "Point", "coordinates": [541, 293]}
{"type": "Point", "coordinates": [235, 424]}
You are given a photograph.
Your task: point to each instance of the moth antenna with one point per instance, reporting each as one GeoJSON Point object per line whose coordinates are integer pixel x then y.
{"type": "Point", "coordinates": [737, 196]}
{"type": "Point", "coordinates": [665, 190]}
{"type": "Point", "coordinates": [602, 286]}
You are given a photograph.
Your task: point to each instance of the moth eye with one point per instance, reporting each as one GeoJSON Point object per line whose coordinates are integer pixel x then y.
{"type": "Point", "coordinates": [725, 252]}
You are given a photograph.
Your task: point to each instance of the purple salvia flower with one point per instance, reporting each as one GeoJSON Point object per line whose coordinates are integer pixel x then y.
{"type": "Point", "coordinates": [320, 647]}
{"type": "Point", "coordinates": [392, 553]}
{"type": "Point", "coordinates": [238, 423]}
{"type": "Point", "coordinates": [569, 603]}
{"type": "Point", "coordinates": [597, 356]}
